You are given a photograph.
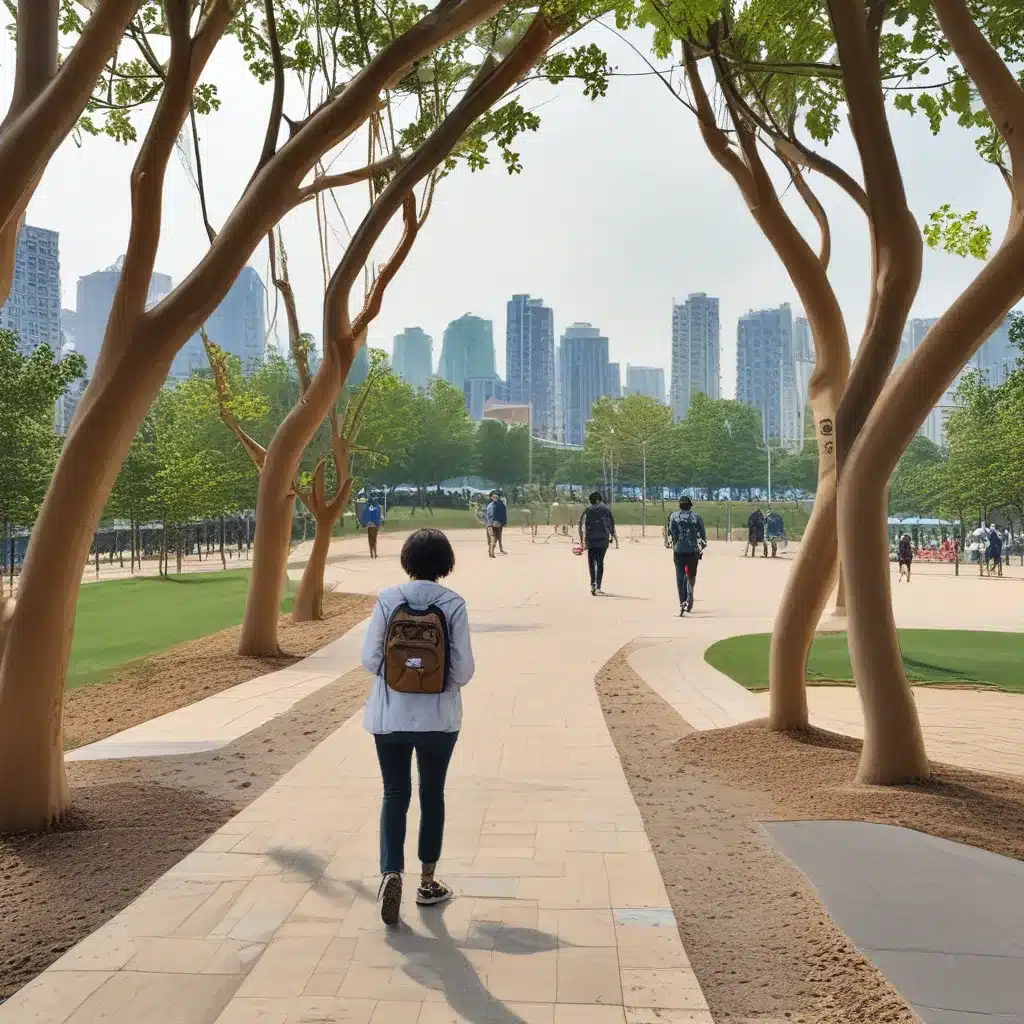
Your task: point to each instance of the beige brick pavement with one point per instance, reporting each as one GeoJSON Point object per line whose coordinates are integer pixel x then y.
{"type": "Point", "coordinates": [561, 917]}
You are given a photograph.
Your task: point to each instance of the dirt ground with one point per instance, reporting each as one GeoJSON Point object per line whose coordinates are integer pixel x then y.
{"type": "Point", "coordinates": [180, 676]}
{"type": "Point", "coordinates": [134, 820]}
{"type": "Point", "coordinates": [760, 941]}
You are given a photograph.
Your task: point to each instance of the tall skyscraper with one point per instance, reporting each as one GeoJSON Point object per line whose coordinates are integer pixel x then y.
{"type": "Point", "coordinates": [695, 352]}
{"type": "Point", "coordinates": [996, 359]}
{"type": "Point", "coordinates": [467, 350]}
{"type": "Point", "coordinates": [413, 358]}
{"type": "Point", "coordinates": [613, 382]}
{"type": "Point", "coordinates": [766, 373]}
{"type": "Point", "coordinates": [646, 380]}
{"type": "Point", "coordinates": [530, 360]}
{"type": "Point", "coordinates": [95, 299]}
{"type": "Point", "coordinates": [583, 358]}
{"type": "Point", "coordinates": [237, 325]}
{"type": "Point", "coordinates": [32, 310]}
{"type": "Point", "coordinates": [803, 353]}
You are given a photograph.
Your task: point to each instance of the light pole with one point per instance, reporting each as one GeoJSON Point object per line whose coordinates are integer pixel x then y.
{"type": "Point", "coordinates": [768, 446]}
{"type": "Point", "coordinates": [643, 493]}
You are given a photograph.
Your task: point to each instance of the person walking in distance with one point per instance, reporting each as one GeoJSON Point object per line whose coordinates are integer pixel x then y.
{"type": "Point", "coordinates": [689, 538]}
{"type": "Point", "coordinates": [755, 534]}
{"type": "Point", "coordinates": [495, 519]}
{"type": "Point", "coordinates": [774, 530]}
{"type": "Point", "coordinates": [597, 531]}
{"type": "Point", "coordinates": [371, 520]}
{"type": "Point", "coordinates": [418, 647]}
{"type": "Point", "coordinates": [904, 557]}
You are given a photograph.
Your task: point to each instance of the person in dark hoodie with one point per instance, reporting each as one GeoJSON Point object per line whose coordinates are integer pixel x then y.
{"type": "Point", "coordinates": [597, 531]}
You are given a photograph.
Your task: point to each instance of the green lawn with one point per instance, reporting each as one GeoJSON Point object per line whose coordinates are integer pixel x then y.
{"type": "Point", "coordinates": [929, 656]}
{"type": "Point", "coordinates": [627, 513]}
{"type": "Point", "coordinates": [122, 620]}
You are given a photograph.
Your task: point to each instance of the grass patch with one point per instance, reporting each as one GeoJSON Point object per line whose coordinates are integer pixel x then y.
{"type": "Point", "coordinates": [122, 620]}
{"type": "Point", "coordinates": [627, 514]}
{"type": "Point", "coordinates": [930, 657]}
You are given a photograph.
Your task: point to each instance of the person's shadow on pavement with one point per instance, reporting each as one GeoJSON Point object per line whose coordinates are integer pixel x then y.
{"type": "Point", "coordinates": [437, 960]}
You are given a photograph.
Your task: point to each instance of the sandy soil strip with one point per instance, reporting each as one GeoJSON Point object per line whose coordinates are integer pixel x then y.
{"type": "Point", "coordinates": [182, 675]}
{"type": "Point", "coordinates": [133, 820]}
{"type": "Point", "coordinates": [761, 943]}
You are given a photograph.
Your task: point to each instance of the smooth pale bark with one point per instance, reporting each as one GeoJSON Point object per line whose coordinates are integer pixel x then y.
{"type": "Point", "coordinates": [893, 745]}
{"type": "Point", "coordinates": [137, 352]}
{"type": "Point", "coordinates": [811, 579]}
{"type": "Point", "coordinates": [33, 785]}
{"type": "Point", "coordinates": [893, 752]}
{"type": "Point", "coordinates": [342, 336]}
{"type": "Point", "coordinates": [309, 600]}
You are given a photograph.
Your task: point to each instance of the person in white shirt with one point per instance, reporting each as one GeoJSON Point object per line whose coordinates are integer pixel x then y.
{"type": "Point", "coordinates": [427, 724]}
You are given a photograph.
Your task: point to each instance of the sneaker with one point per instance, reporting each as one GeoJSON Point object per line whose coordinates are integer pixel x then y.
{"type": "Point", "coordinates": [593, 590]}
{"type": "Point", "coordinates": [599, 592]}
{"type": "Point", "coordinates": [432, 893]}
{"type": "Point", "coordinates": [682, 610]}
{"type": "Point", "coordinates": [390, 896]}
{"type": "Point", "coordinates": [689, 605]}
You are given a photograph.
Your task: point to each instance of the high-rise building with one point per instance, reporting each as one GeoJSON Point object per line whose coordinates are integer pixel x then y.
{"type": "Point", "coordinates": [803, 354]}
{"type": "Point", "coordinates": [613, 382]}
{"type": "Point", "coordinates": [646, 380]}
{"type": "Point", "coordinates": [583, 359]}
{"type": "Point", "coordinates": [32, 310]}
{"type": "Point", "coordinates": [766, 373]}
{"type": "Point", "coordinates": [95, 299]}
{"type": "Point", "coordinates": [996, 359]}
{"type": "Point", "coordinates": [467, 350]}
{"type": "Point", "coordinates": [413, 358]}
{"type": "Point", "coordinates": [481, 390]}
{"type": "Point", "coordinates": [695, 352]}
{"type": "Point", "coordinates": [237, 325]}
{"type": "Point", "coordinates": [530, 360]}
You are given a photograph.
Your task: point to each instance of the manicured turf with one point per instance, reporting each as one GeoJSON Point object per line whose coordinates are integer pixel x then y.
{"type": "Point", "coordinates": [929, 656]}
{"type": "Point", "coordinates": [122, 620]}
{"type": "Point", "coordinates": [627, 514]}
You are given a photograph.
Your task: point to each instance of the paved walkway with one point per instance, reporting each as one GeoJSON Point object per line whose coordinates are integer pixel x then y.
{"type": "Point", "coordinates": [562, 917]}
{"type": "Point", "coordinates": [956, 960]}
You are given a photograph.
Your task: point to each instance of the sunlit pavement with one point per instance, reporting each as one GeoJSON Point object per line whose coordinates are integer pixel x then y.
{"type": "Point", "coordinates": [561, 917]}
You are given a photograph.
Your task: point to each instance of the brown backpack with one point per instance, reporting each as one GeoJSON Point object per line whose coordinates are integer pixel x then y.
{"type": "Point", "coordinates": [416, 650]}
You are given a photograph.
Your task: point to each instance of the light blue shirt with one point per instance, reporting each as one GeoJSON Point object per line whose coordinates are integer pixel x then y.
{"type": "Point", "coordinates": [390, 711]}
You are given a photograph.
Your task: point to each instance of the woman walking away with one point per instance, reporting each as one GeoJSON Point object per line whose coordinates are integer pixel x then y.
{"type": "Point", "coordinates": [904, 557]}
{"type": "Point", "coordinates": [418, 645]}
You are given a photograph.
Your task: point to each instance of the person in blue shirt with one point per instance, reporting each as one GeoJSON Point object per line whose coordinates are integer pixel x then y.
{"type": "Point", "coordinates": [372, 520]}
{"type": "Point", "coordinates": [495, 519]}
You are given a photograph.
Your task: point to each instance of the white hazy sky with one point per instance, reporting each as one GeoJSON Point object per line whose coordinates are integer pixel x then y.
{"type": "Point", "coordinates": [619, 209]}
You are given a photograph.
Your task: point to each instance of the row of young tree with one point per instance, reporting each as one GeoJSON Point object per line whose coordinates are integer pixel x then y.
{"type": "Point", "coordinates": [979, 470]}
{"type": "Point", "coordinates": [423, 88]}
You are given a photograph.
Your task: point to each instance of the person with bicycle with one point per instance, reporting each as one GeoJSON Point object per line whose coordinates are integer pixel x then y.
{"type": "Point", "coordinates": [689, 538]}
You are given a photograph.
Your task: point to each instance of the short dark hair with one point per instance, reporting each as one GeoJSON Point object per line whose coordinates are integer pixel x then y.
{"type": "Point", "coordinates": [595, 497]}
{"type": "Point", "coordinates": [427, 555]}
{"type": "Point", "coordinates": [685, 503]}
{"type": "Point", "coordinates": [492, 494]}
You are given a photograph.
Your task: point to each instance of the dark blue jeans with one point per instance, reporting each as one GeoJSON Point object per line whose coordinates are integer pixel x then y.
{"type": "Point", "coordinates": [394, 752]}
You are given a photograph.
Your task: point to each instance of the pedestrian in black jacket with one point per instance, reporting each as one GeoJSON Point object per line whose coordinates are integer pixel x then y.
{"type": "Point", "coordinates": [597, 531]}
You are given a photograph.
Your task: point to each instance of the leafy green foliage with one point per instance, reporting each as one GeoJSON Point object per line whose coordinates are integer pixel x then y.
{"type": "Point", "coordinates": [502, 453]}
{"type": "Point", "coordinates": [29, 388]}
{"type": "Point", "coordinates": [958, 234]}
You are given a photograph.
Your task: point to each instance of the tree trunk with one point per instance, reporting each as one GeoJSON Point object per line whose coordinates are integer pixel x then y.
{"type": "Point", "coordinates": [178, 548]}
{"type": "Point", "coordinates": [223, 557]}
{"type": "Point", "coordinates": [275, 503]}
{"type": "Point", "coordinates": [309, 601]}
